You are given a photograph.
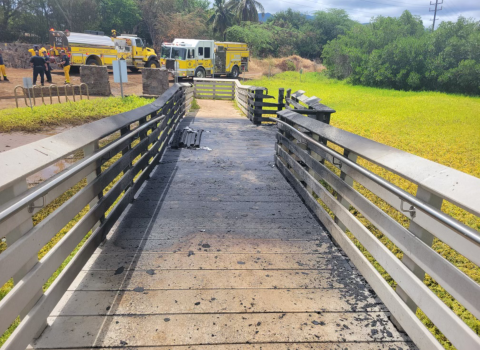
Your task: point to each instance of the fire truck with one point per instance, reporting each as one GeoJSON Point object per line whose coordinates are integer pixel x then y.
{"type": "Point", "coordinates": [202, 58]}
{"type": "Point", "coordinates": [95, 48]}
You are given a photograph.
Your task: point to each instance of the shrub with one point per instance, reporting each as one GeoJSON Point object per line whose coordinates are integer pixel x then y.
{"type": "Point", "coordinates": [400, 53]}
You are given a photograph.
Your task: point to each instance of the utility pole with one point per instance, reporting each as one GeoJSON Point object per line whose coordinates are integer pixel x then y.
{"type": "Point", "coordinates": [435, 10]}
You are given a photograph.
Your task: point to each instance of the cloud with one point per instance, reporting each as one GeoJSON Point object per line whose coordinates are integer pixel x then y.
{"type": "Point", "coordinates": [363, 10]}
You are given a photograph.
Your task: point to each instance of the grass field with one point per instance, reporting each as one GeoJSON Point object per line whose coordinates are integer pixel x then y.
{"type": "Point", "coordinates": [71, 113]}
{"type": "Point", "coordinates": [436, 126]}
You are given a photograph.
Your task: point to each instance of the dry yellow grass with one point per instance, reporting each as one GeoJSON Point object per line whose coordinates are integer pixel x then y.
{"type": "Point", "coordinates": [271, 66]}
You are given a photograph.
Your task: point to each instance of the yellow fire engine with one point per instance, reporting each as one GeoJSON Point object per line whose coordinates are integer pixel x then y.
{"type": "Point", "coordinates": [201, 58]}
{"type": "Point", "coordinates": [94, 48]}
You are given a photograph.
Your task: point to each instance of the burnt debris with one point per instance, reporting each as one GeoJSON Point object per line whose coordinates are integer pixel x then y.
{"type": "Point", "coordinates": [186, 138]}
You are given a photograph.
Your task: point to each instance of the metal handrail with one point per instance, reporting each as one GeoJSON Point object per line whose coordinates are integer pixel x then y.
{"type": "Point", "coordinates": [466, 231]}
{"type": "Point", "coordinates": [42, 191]}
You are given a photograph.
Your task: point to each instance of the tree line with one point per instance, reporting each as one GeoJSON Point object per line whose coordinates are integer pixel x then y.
{"type": "Point", "coordinates": [402, 54]}
{"type": "Point", "coordinates": [398, 53]}
{"type": "Point", "coordinates": [285, 33]}
{"type": "Point", "coordinates": [156, 20]}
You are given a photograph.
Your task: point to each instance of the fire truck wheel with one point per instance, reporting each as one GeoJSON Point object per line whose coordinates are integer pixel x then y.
{"type": "Point", "coordinates": [200, 73]}
{"type": "Point", "coordinates": [153, 64]}
{"type": "Point", "coordinates": [235, 72]}
{"type": "Point", "coordinates": [92, 62]}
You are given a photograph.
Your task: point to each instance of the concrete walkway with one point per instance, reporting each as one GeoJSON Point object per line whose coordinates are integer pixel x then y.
{"type": "Point", "coordinates": [219, 252]}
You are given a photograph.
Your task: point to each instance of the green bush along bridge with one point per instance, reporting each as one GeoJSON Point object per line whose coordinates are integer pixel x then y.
{"type": "Point", "coordinates": [248, 242]}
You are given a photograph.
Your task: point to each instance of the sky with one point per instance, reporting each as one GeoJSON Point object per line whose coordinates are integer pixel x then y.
{"type": "Point", "coordinates": [363, 10]}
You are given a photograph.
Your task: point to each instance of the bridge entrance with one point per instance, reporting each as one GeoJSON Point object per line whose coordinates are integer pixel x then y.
{"type": "Point", "coordinates": [218, 250]}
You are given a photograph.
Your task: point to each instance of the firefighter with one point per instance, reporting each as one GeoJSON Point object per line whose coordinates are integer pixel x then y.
{"type": "Point", "coordinates": [35, 49]}
{"type": "Point", "coordinates": [65, 62]}
{"type": "Point", "coordinates": [48, 69]}
{"type": "Point", "coordinates": [38, 64]}
{"type": "Point", "coordinates": [3, 72]}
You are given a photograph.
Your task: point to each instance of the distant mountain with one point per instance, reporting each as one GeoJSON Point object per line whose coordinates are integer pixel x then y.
{"type": "Point", "coordinates": [267, 15]}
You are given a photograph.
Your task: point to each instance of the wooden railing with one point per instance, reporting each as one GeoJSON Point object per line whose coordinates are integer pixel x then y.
{"type": "Point", "coordinates": [119, 153]}
{"type": "Point", "coordinates": [307, 153]}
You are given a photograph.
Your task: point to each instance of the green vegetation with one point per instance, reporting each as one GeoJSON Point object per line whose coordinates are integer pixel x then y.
{"type": "Point", "coordinates": [74, 113]}
{"type": "Point", "coordinates": [291, 33]}
{"type": "Point", "coordinates": [400, 53]}
{"type": "Point", "coordinates": [436, 126]}
{"type": "Point", "coordinates": [195, 104]}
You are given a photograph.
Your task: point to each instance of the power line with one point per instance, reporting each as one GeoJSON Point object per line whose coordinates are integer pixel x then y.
{"type": "Point", "coordinates": [435, 11]}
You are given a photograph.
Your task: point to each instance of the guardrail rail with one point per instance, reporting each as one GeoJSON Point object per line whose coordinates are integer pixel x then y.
{"type": "Point", "coordinates": [114, 173]}
{"type": "Point", "coordinates": [325, 179]}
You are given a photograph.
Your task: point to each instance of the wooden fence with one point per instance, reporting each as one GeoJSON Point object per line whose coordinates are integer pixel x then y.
{"type": "Point", "coordinates": [253, 100]}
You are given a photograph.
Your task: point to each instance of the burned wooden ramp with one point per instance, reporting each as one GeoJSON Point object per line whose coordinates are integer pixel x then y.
{"type": "Point", "coordinates": [218, 251]}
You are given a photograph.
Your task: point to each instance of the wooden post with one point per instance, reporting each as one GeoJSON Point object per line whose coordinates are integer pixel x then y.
{"type": "Point", "coordinates": [258, 98]}
{"type": "Point", "coordinates": [287, 97]}
{"type": "Point", "coordinates": [281, 101]}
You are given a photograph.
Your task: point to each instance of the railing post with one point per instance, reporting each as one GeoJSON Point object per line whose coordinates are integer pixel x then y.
{"type": "Point", "coordinates": [425, 236]}
{"type": "Point", "coordinates": [143, 135]}
{"type": "Point", "coordinates": [8, 194]}
{"type": "Point", "coordinates": [287, 97]}
{"type": "Point", "coordinates": [353, 157]}
{"type": "Point", "coordinates": [281, 102]}
{"type": "Point", "coordinates": [258, 98]}
{"type": "Point", "coordinates": [88, 150]}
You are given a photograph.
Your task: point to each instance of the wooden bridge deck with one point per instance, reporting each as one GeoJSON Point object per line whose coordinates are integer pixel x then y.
{"type": "Point", "coordinates": [219, 252]}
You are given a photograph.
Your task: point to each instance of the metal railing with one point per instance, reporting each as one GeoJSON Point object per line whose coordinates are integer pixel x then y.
{"type": "Point", "coordinates": [326, 179]}
{"type": "Point", "coordinates": [125, 162]}
{"type": "Point", "coordinates": [67, 89]}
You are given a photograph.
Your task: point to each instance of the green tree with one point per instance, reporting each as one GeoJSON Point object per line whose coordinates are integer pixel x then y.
{"type": "Point", "coordinates": [121, 15]}
{"type": "Point", "coordinates": [221, 18]}
{"type": "Point", "coordinates": [288, 18]}
{"type": "Point", "coordinates": [246, 10]}
{"type": "Point", "coordinates": [265, 39]}
{"type": "Point", "coordinates": [400, 53]}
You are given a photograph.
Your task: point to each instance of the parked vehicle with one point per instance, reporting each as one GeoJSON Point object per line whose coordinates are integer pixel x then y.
{"type": "Point", "coordinates": [95, 48]}
{"type": "Point", "coordinates": [202, 58]}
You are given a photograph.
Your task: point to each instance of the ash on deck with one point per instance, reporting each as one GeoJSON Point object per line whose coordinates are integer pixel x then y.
{"type": "Point", "coordinates": [219, 252]}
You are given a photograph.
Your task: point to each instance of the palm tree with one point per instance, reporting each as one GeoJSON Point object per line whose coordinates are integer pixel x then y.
{"type": "Point", "coordinates": [221, 18]}
{"type": "Point", "coordinates": [246, 10]}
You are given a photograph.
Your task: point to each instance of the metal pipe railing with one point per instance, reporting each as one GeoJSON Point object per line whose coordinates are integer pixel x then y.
{"type": "Point", "coordinates": [458, 227]}
{"type": "Point", "coordinates": [43, 190]}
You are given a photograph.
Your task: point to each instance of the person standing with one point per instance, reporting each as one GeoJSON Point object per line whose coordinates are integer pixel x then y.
{"type": "Point", "coordinates": [48, 74]}
{"type": "Point", "coordinates": [38, 64]}
{"type": "Point", "coordinates": [35, 49]}
{"type": "Point", "coordinates": [3, 71]}
{"type": "Point", "coordinates": [65, 62]}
